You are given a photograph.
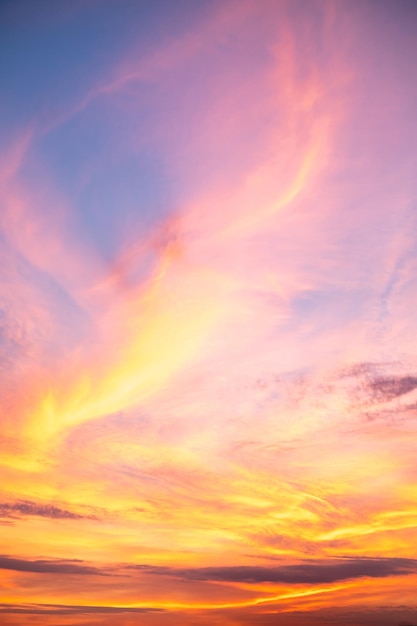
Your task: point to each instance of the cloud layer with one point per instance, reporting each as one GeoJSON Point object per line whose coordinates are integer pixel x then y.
{"type": "Point", "coordinates": [208, 381]}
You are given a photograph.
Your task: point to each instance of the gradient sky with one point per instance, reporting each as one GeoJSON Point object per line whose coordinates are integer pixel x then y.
{"type": "Point", "coordinates": [208, 285]}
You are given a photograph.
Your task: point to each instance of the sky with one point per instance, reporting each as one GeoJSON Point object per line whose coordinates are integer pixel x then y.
{"type": "Point", "coordinates": [208, 282]}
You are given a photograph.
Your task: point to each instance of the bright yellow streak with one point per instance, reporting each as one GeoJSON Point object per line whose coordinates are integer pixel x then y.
{"type": "Point", "coordinates": [157, 334]}
{"type": "Point", "coordinates": [186, 606]}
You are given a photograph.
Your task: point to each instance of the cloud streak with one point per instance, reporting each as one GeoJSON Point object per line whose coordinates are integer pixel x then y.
{"type": "Point", "coordinates": [304, 573]}
{"type": "Point", "coordinates": [25, 507]}
{"type": "Point", "coordinates": [44, 566]}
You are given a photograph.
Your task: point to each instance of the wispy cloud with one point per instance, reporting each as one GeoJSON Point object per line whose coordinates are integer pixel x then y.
{"type": "Point", "coordinates": [307, 572]}
{"type": "Point", "coordinates": [25, 507]}
{"type": "Point", "coordinates": [44, 566]}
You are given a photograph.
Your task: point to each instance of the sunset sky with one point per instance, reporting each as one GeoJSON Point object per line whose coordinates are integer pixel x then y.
{"type": "Point", "coordinates": [208, 294]}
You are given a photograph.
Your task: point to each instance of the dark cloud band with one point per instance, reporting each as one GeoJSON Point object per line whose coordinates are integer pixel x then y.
{"type": "Point", "coordinates": [44, 566]}
{"type": "Point", "coordinates": [303, 573]}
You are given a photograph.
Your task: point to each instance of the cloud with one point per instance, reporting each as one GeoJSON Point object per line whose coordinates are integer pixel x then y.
{"type": "Point", "coordinates": [392, 387]}
{"type": "Point", "coordinates": [69, 609]}
{"type": "Point", "coordinates": [45, 566]}
{"type": "Point", "coordinates": [303, 573]}
{"type": "Point", "coordinates": [26, 507]}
